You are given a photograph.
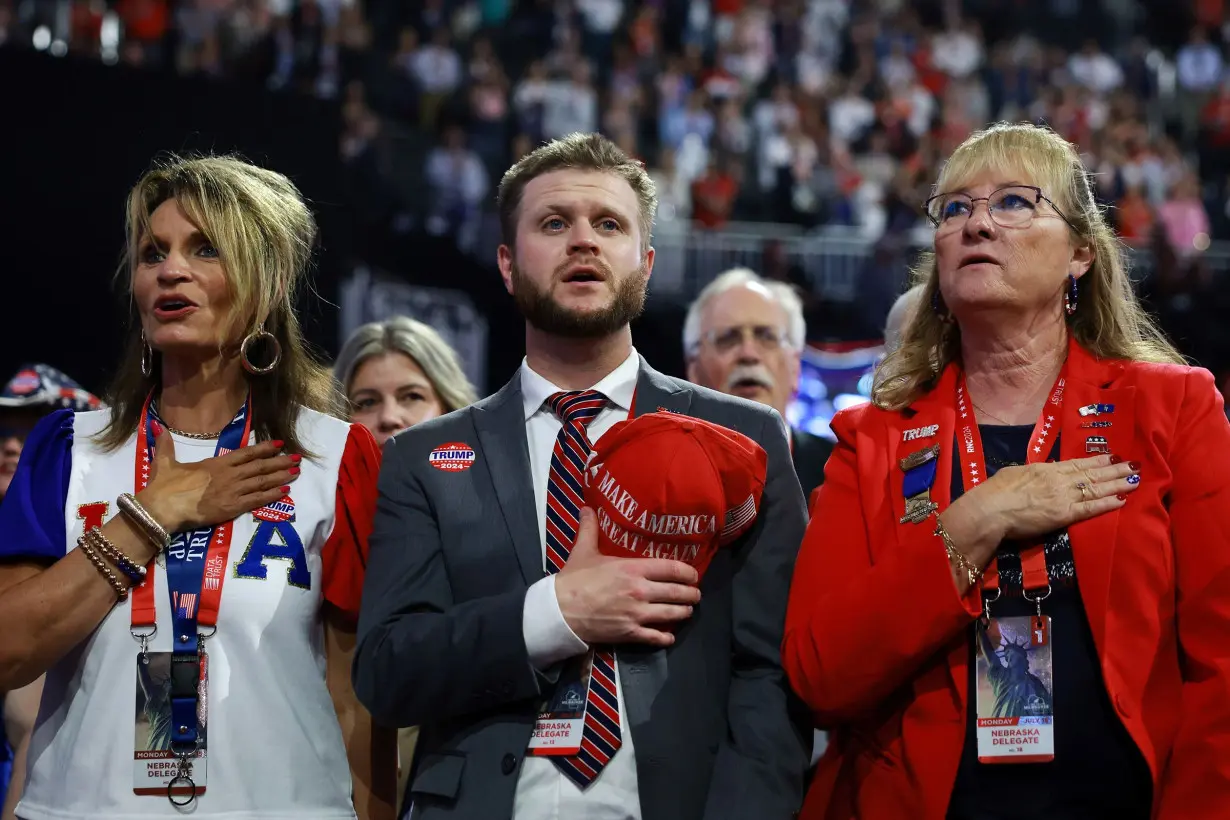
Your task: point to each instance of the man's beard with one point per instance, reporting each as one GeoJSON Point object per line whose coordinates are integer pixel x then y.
{"type": "Point", "coordinates": [545, 314]}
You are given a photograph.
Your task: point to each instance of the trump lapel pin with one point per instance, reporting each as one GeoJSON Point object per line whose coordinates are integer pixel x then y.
{"type": "Point", "coordinates": [919, 468]}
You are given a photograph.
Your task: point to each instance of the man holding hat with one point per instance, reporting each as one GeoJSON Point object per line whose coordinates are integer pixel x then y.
{"type": "Point", "coordinates": [33, 392]}
{"type": "Point", "coordinates": [583, 612]}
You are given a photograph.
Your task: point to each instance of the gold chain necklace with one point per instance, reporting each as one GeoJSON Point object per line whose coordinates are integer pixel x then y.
{"type": "Point", "coordinates": [186, 434]}
{"type": "Point", "coordinates": [992, 415]}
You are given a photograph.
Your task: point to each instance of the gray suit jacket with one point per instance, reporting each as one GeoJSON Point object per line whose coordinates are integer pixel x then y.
{"type": "Point", "coordinates": [440, 640]}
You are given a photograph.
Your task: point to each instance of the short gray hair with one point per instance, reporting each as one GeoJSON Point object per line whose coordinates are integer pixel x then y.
{"type": "Point", "coordinates": [901, 312]}
{"type": "Point", "coordinates": [421, 343]}
{"type": "Point", "coordinates": [783, 294]}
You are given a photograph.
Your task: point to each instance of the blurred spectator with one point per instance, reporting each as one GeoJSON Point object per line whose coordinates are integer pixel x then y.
{"type": "Point", "coordinates": [1134, 217]}
{"type": "Point", "coordinates": [145, 25]}
{"type": "Point", "coordinates": [571, 105]}
{"type": "Point", "coordinates": [1215, 132]}
{"type": "Point", "coordinates": [957, 51]}
{"type": "Point", "coordinates": [436, 67]}
{"type": "Point", "coordinates": [1095, 69]}
{"type": "Point", "coordinates": [714, 194]}
{"type": "Point", "coordinates": [34, 391]}
{"type": "Point", "coordinates": [1200, 68]}
{"type": "Point", "coordinates": [459, 182]}
{"type": "Point", "coordinates": [1184, 219]}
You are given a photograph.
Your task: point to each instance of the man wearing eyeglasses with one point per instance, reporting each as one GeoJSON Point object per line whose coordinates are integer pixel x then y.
{"type": "Point", "coordinates": [34, 391]}
{"type": "Point", "coordinates": [744, 336]}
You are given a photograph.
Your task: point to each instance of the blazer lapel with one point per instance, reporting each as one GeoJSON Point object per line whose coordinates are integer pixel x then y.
{"type": "Point", "coordinates": [656, 392]}
{"type": "Point", "coordinates": [937, 409]}
{"type": "Point", "coordinates": [643, 671]}
{"type": "Point", "coordinates": [501, 431]}
{"type": "Point", "coordinates": [1090, 387]}
{"type": "Point", "coordinates": [927, 422]}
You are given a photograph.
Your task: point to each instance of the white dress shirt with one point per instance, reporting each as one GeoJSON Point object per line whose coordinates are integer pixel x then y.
{"type": "Point", "coordinates": [543, 793]}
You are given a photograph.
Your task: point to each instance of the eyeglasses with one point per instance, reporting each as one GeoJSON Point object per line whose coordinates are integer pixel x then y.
{"type": "Point", "coordinates": [765, 337]}
{"type": "Point", "coordinates": [1014, 206]}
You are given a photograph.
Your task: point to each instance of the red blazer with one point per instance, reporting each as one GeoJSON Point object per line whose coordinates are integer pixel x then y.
{"type": "Point", "coordinates": [876, 635]}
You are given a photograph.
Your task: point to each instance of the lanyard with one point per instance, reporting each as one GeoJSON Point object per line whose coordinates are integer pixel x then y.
{"type": "Point", "coordinates": [195, 561]}
{"type": "Point", "coordinates": [1035, 581]}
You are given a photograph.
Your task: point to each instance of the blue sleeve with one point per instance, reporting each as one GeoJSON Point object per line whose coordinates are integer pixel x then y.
{"type": "Point", "coordinates": [32, 512]}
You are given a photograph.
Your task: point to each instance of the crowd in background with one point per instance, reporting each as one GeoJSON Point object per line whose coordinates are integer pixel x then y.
{"type": "Point", "coordinates": [826, 114]}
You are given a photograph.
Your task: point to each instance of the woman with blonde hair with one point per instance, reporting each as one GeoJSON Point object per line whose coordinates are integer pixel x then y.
{"type": "Point", "coordinates": [1013, 599]}
{"type": "Point", "coordinates": [400, 372]}
{"type": "Point", "coordinates": [198, 547]}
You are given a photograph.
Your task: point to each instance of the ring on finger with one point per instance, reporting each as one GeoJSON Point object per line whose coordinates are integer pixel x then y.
{"type": "Point", "coordinates": [1085, 493]}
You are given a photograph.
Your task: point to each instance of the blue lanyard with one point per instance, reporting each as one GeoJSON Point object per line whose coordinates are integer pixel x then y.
{"type": "Point", "coordinates": [185, 564]}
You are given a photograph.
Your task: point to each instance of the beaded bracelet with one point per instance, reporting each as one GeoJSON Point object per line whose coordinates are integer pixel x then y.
{"type": "Point", "coordinates": [971, 572]}
{"type": "Point", "coordinates": [121, 592]}
{"type": "Point", "coordinates": [154, 532]}
{"type": "Point", "coordinates": [94, 536]}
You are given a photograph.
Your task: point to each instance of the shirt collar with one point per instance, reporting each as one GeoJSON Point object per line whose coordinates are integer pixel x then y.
{"type": "Point", "coordinates": [618, 386]}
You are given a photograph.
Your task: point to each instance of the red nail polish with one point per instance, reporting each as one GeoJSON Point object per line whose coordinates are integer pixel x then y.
{"type": "Point", "coordinates": [278, 443]}
{"type": "Point", "coordinates": [1115, 460]}
{"type": "Point", "coordinates": [294, 471]}
{"type": "Point", "coordinates": [1121, 497]}
{"type": "Point", "coordinates": [285, 489]}
{"type": "Point", "coordinates": [296, 458]}
{"type": "Point", "coordinates": [1135, 465]}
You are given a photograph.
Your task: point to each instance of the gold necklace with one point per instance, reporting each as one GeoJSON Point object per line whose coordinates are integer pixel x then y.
{"type": "Point", "coordinates": [186, 434]}
{"type": "Point", "coordinates": [992, 415]}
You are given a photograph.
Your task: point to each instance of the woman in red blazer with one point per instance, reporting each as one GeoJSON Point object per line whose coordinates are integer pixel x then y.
{"type": "Point", "coordinates": [1013, 599]}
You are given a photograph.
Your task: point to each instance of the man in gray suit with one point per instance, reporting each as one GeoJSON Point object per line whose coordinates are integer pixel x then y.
{"type": "Point", "coordinates": [478, 604]}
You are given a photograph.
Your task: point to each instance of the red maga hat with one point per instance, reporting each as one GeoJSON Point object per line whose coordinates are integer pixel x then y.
{"type": "Point", "coordinates": [665, 485]}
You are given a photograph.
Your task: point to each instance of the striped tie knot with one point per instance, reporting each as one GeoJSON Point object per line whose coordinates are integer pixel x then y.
{"type": "Point", "coordinates": [578, 407]}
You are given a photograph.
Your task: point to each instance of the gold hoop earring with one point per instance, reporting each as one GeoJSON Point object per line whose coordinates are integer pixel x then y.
{"type": "Point", "coordinates": [147, 357]}
{"type": "Point", "coordinates": [260, 334]}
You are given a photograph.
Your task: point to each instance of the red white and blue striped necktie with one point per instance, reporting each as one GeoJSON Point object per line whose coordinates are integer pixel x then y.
{"type": "Point", "coordinates": [565, 496]}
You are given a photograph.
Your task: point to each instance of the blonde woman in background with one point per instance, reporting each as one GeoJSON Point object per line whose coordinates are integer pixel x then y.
{"type": "Point", "coordinates": [396, 374]}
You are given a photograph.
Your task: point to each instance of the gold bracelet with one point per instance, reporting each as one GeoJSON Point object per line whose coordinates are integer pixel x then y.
{"type": "Point", "coordinates": [102, 544]}
{"type": "Point", "coordinates": [121, 593]}
{"type": "Point", "coordinates": [154, 532]}
{"type": "Point", "coordinates": [972, 572]}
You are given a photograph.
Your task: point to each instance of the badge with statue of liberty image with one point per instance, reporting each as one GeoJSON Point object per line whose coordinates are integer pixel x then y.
{"type": "Point", "coordinates": [1014, 690]}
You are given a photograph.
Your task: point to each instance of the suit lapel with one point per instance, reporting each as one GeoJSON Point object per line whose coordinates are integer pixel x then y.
{"type": "Point", "coordinates": [656, 392]}
{"type": "Point", "coordinates": [643, 670]}
{"type": "Point", "coordinates": [1093, 540]}
{"type": "Point", "coordinates": [501, 432]}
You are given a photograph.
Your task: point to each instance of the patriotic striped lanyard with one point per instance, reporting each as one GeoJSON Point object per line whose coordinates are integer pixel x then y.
{"type": "Point", "coordinates": [195, 562]}
{"type": "Point", "coordinates": [1035, 584]}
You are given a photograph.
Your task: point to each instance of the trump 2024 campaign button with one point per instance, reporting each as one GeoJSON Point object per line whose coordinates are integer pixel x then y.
{"type": "Point", "coordinates": [452, 457]}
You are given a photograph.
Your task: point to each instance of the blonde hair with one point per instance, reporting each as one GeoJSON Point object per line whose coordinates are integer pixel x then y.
{"type": "Point", "coordinates": [1109, 321]}
{"type": "Point", "coordinates": [421, 343]}
{"type": "Point", "coordinates": [579, 152]}
{"type": "Point", "coordinates": [264, 233]}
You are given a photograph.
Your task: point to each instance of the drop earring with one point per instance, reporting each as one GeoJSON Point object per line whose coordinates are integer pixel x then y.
{"type": "Point", "coordinates": [1069, 296]}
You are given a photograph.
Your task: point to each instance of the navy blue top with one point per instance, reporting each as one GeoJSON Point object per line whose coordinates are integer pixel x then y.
{"type": "Point", "coordinates": [32, 512]}
{"type": "Point", "coordinates": [1097, 772]}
